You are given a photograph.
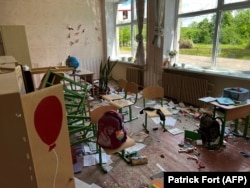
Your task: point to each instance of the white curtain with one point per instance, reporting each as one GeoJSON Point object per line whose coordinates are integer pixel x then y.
{"type": "Point", "coordinates": [159, 18]}
{"type": "Point", "coordinates": [140, 54]}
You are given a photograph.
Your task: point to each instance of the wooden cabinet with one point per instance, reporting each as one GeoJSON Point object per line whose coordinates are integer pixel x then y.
{"type": "Point", "coordinates": [13, 42]}
{"type": "Point", "coordinates": [34, 140]}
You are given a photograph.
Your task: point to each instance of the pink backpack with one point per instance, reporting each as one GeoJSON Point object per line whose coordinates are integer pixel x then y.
{"type": "Point", "coordinates": [111, 133]}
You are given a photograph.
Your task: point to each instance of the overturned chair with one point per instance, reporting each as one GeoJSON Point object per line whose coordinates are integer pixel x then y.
{"type": "Point", "coordinates": [76, 105]}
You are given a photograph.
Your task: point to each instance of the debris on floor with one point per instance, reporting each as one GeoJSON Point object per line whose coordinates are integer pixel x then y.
{"type": "Point", "coordinates": [140, 137]}
{"type": "Point", "coordinates": [245, 154]}
{"type": "Point", "coordinates": [199, 163]}
{"type": "Point", "coordinates": [139, 160]}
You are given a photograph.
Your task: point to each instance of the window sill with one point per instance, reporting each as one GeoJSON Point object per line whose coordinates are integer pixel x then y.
{"type": "Point", "coordinates": [126, 62]}
{"type": "Point", "coordinates": [209, 71]}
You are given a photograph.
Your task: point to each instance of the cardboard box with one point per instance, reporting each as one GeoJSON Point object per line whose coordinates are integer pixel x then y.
{"type": "Point", "coordinates": [236, 93]}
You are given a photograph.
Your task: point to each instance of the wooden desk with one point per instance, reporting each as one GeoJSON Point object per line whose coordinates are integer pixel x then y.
{"type": "Point", "coordinates": [111, 97]}
{"type": "Point", "coordinates": [230, 113]}
{"type": "Point", "coordinates": [86, 76]}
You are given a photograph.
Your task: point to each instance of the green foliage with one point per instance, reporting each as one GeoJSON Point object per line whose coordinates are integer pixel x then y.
{"type": "Point", "coordinates": [186, 43]}
{"type": "Point", "coordinates": [234, 36]}
{"type": "Point", "coordinates": [125, 35]}
{"type": "Point", "coordinates": [105, 74]}
{"type": "Point", "coordinates": [235, 29]}
{"type": "Point", "coordinates": [227, 51]}
{"type": "Point", "coordinates": [248, 45]}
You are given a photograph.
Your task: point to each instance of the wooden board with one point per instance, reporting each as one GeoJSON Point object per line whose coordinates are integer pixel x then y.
{"type": "Point", "coordinates": [34, 138]}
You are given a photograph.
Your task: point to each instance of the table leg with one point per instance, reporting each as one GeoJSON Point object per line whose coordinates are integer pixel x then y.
{"type": "Point", "coordinates": [223, 125]}
{"type": "Point", "coordinates": [246, 126]}
{"type": "Point", "coordinates": [236, 124]}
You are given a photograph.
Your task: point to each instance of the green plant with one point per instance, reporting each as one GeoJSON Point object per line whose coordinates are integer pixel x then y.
{"type": "Point", "coordinates": [105, 74]}
{"type": "Point", "coordinates": [172, 54]}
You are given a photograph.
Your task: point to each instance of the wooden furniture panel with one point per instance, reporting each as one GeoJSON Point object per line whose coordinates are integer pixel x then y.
{"type": "Point", "coordinates": [35, 140]}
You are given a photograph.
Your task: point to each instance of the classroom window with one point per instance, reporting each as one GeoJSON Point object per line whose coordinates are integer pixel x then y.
{"type": "Point", "coordinates": [214, 35]}
{"type": "Point", "coordinates": [127, 29]}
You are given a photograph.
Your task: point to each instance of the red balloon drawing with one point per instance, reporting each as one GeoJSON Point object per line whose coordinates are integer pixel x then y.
{"type": "Point", "coordinates": [48, 120]}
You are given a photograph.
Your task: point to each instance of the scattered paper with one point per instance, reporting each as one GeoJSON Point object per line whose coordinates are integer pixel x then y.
{"type": "Point", "coordinates": [140, 137]}
{"type": "Point", "coordinates": [77, 167]}
{"type": "Point", "coordinates": [93, 185]}
{"type": "Point", "coordinates": [150, 102]}
{"type": "Point", "coordinates": [169, 121]}
{"type": "Point", "coordinates": [175, 131]}
{"type": "Point", "coordinates": [89, 160]}
{"type": "Point", "coordinates": [160, 167]}
{"type": "Point", "coordinates": [207, 99]}
{"type": "Point", "coordinates": [136, 147]}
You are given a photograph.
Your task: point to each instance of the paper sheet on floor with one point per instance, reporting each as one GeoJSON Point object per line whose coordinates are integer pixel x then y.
{"type": "Point", "coordinates": [90, 160]}
{"type": "Point", "coordinates": [175, 131]}
{"type": "Point", "coordinates": [169, 121]}
{"type": "Point", "coordinates": [136, 147]}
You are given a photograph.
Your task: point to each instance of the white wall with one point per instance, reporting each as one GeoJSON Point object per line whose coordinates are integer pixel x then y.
{"type": "Point", "coordinates": [46, 25]}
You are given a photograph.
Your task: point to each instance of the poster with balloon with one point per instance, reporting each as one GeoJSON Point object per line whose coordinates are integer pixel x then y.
{"type": "Point", "coordinates": [48, 120]}
{"type": "Point", "coordinates": [48, 135]}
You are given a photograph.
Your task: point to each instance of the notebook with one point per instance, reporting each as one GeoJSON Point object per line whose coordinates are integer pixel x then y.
{"type": "Point", "coordinates": [225, 101]}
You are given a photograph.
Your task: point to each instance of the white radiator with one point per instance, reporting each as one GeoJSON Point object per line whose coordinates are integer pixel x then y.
{"type": "Point", "coordinates": [134, 74]}
{"type": "Point", "coordinates": [91, 65]}
{"type": "Point", "coordinates": [185, 88]}
{"type": "Point", "coordinates": [192, 89]}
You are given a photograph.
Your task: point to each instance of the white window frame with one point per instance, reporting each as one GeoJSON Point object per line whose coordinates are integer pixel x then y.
{"type": "Point", "coordinates": [112, 35]}
{"type": "Point", "coordinates": [171, 29]}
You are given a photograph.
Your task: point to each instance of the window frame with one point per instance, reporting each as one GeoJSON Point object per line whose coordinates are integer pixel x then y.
{"type": "Point", "coordinates": [218, 12]}
{"type": "Point", "coordinates": [133, 27]}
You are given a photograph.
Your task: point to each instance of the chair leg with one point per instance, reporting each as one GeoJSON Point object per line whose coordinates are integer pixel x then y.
{"type": "Point", "coordinates": [123, 156]}
{"type": "Point", "coordinates": [131, 117]}
{"type": "Point", "coordinates": [163, 126]}
{"type": "Point", "coordinates": [100, 159]}
{"type": "Point", "coordinates": [145, 124]}
{"type": "Point", "coordinates": [123, 112]}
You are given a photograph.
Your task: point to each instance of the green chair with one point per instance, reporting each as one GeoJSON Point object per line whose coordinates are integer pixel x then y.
{"type": "Point", "coordinates": [95, 115]}
{"type": "Point", "coordinates": [131, 89]}
{"type": "Point", "coordinates": [155, 93]}
{"type": "Point", "coordinates": [76, 104]}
